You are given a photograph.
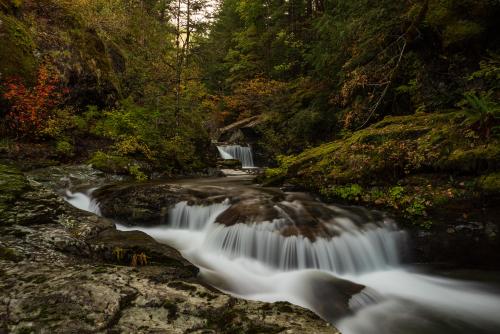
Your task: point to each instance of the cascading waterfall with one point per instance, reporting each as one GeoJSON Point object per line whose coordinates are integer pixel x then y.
{"type": "Point", "coordinates": [257, 261]}
{"type": "Point", "coordinates": [237, 152]}
{"type": "Point", "coordinates": [354, 251]}
{"type": "Point", "coordinates": [196, 217]}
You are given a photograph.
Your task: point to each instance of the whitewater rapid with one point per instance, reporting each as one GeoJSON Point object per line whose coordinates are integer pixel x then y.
{"type": "Point", "coordinates": [256, 262]}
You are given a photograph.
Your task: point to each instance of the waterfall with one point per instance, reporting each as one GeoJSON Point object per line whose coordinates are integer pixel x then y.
{"type": "Point", "coordinates": [353, 251]}
{"type": "Point", "coordinates": [371, 247]}
{"type": "Point", "coordinates": [83, 201]}
{"type": "Point", "coordinates": [196, 217]}
{"type": "Point", "coordinates": [237, 152]}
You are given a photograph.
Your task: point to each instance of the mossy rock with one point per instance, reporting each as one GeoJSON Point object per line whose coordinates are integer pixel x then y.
{"type": "Point", "coordinates": [232, 164]}
{"type": "Point", "coordinates": [109, 163]}
{"type": "Point", "coordinates": [473, 159]}
{"type": "Point", "coordinates": [17, 52]}
{"type": "Point", "coordinates": [490, 183]}
{"type": "Point", "coordinates": [12, 185]}
{"type": "Point", "coordinates": [392, 149]}
{"type": "Point", "coordinates": [9, 254]}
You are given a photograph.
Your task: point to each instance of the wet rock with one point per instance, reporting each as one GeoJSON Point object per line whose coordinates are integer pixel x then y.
{"type": "Point", "coordinates": [229, 164]}
{"type": "Point", "coordinates": [337, 292]}
{"type": "Point", "coordinates": [465, 244]}
{"type": "Point", "coordinates": [297, 214]}
{"type": "Point", "coordinates": [120, 246]}
{"type": "Point", "coordinates": [148, 203]}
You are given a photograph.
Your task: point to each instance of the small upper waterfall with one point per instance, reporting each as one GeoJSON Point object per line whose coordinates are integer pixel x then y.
{"type": "Point", "coordinates": [237, 152]}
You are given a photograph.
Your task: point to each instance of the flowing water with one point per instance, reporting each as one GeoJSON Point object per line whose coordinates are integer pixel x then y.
{"type": "Point", "coordinates": [347, 268]}
{"type": "Point", "coordinates": [237, 152]}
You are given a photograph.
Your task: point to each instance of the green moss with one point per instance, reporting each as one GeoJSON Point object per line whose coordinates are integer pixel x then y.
{"type": "Point", "coordinates": [64, 148]}
{"type": "Point", "coordinates": [351, 192]}
{"type": "Point", "coordinates": [472, 159]}
{"type": "Point", "coordinates": [17, 51]}
{"type": "Point", "coordinates": [391, 149]}
{"type": "Point", "coordinates": [12, 184]}
{"type": "Point", "coordinates": [110, 163]}
{"type": "Point", "coordinates": [137, 173]}
{"type": "Point", "coordinates": [490, 183]}
{"type": "Point", "coordinates": [9, 254]}
{"type": "Point", "coordinates": [461, 31]}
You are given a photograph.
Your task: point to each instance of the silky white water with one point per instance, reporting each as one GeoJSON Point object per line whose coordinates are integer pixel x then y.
{"type": "Point", "coordinates": [237, 152]}
{"type": "Point", "coordinates": [83, 201]}
{"type": "Point", "coordinates": [255, 261]}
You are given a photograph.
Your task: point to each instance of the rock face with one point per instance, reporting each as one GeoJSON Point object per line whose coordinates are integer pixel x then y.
{"type": "Point", "coordinates": [37, 31]}
{"type": "Point", "coordinates": [63, 270]}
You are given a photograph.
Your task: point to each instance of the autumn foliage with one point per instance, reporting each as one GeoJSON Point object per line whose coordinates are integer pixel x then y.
{"type": "Point", "coordinates": [30, 106]}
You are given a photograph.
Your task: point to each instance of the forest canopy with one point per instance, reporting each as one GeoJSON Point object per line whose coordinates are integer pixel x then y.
{"type": "Point", "coordinates": [145, 84]}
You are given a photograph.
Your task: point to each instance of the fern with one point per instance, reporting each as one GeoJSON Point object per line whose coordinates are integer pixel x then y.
{"type": "Point", "coordinates": [482, 112]}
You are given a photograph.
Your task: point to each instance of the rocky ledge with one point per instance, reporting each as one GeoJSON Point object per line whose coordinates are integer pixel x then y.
{"type": "Point", "coordinates": [63, 270]}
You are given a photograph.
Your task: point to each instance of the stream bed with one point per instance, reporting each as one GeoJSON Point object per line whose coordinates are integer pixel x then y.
{"type": "Point", "coordinates": [343, 263]}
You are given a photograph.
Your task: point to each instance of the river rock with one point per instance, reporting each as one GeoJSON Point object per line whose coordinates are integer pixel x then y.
{"type": "Point", "coordinates": [297, 214]}
{"type": "Point", "coordinates": [148, 203]}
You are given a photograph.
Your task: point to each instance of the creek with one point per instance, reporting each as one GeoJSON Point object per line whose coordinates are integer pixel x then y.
{"type": "Point", "coordinates": [346, 264]}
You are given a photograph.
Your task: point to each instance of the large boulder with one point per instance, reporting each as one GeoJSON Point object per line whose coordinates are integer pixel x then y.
{"type": "Point", "coordinates": [148, 203]}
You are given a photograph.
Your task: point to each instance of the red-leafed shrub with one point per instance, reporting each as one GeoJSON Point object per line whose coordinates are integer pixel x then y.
{"type": "Point", "coordinates": [29, 107]}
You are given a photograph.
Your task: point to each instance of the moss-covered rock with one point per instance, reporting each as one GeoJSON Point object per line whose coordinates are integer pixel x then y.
{"type": "Point", "coordinates": [18, 48]}
{"type": "Point", "coordinates": [12, 185]}
{"type": "Point", "coordinates": [408, 165]}
{"type": "Point", "coordinates": [490, 183]}
{"type": "Point", "coordinates": [234, 164]}
{"type": "Point", "coordinates": [110, 163]}
{"type": "Point", "coordinates": [393, 148]}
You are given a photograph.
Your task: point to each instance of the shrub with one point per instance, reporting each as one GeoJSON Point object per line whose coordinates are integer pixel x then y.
{"type": "Point", "coordinates": [110, 163]}
{"type": "Point", "coordinates": [482, 111]}
{"type": "Point", "coordinates": [64, 148]}
{"type": "Point", "coordinates": [62, 122]}
{"type": "Point", "coordinates": [30, 107]}
{"type": "Point", "coordinates": [136, 172]}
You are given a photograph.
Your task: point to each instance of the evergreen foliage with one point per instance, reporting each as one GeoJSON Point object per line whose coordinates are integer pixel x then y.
{"type": "Point", "coordinates": [166, 74]}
